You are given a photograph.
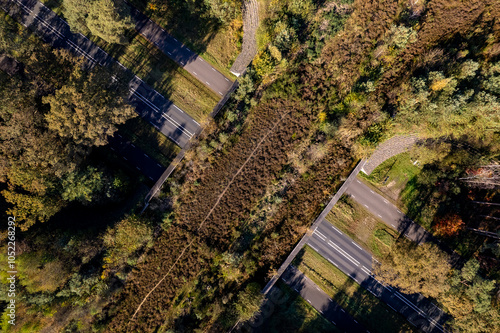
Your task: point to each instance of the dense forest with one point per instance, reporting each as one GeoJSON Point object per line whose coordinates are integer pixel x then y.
{"type": "Point", "coordinates": [331, 80]}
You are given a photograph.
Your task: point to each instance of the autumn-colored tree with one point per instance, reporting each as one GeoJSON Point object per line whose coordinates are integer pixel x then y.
{"type": "Point", "coordinates": [448, 225]}
{"type": "Point", "coordinates": [415, 269]}
{"type": "Point", "coordinates": [88, 108]}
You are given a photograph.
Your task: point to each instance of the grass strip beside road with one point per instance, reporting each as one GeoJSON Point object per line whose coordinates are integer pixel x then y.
{"type": "Point", "coordinates": [364, 228]}
{"type": "Point", "coordinates": [374, 314]}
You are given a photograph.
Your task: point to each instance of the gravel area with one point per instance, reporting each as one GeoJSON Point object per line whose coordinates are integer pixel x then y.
{"type": "Point", "coordinates": [387, 149]}
{"type": "Point", "coordinates": [249, 46]}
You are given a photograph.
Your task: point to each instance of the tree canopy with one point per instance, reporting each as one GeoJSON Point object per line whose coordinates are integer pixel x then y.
{"type": "Point", "coordinates": [107, 19]}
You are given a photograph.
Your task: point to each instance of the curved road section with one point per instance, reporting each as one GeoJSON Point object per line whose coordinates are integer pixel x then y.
{"type": "Point", "coordinates": [152, 106]}
{"type": "Point", "coordinates": [181, 54]}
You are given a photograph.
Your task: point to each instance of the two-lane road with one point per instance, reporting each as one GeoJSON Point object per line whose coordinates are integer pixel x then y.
{"type": "Point", "coordinates": [181, 54]}
{"type": "Point", "coordinates": [318, 299]}
{"type": "Point", "coordinates": [152, 106]}
{"type": "Point", "coordinates": [356, 262]}
{"type": "Point", "coordinates": [387, 212]}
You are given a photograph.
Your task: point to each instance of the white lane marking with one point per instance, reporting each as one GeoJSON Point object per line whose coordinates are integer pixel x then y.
{"type": "Point", "coordinates": [392, 307]}
{"type": "Point", "coordinates": [399, 211]}
{"type": "Point", "coordinates": [164, 115]}
{"type": "Point", "coordinates": [214, 69]}
{"type": "Point", "coordinates": [386, 201]}
{"type": "Point", "coordinates": [169, 53]}
{"type": "Point", "coordinates": [158, 164]}
{"type": "Point", "coordinates": [132, 145]}
{"type": "Point", "coordinates": [188, 49]}
{"type": "Point", "coordinates": [393, 225]}
{"type": "Point", "coordinates": [308, 300]}
{"type": "Point", "coordinates": [352, 195]}
{"type": "Point", "coordinates": [207, 82]}
{"type": "Point", "coordinates": [138, 168]}
{"type": "Point", "coordinates": [355, 321]}
{"type": "Point", "coordinates": [359, 247]}
{"type": "Point", "coordinates": [373, 293]}
{"type": "Point", "coordinates": [195, 73]}
{"type": "Point", "coordinates": [335, 264]}
{"type": "Point", "coordinates": [333, 322]}
{"type": "Point", "coordinates": [171, 138]}
{"type": "Point", "coordinates": [372, 191]}
{"type": "Point", "coordinates": [296, 289]}
{"type": "Point", "coordinates": [125, 158]}
{"type": "Point", "coordinates": [146, 155]}
{"type": "Point", "coordinates": [220, 93]}
{"type": "Point", "coordinates": [315, 249]}
{"type": "Point", "coordinates": [195, 122]}
{"type": "Point", "coordinates": [364, 269]}
{"type": "Point", "coordinates": [320, 234]}
{"type": "Point", "coordinates": [318, 289]}
{"type": "Point", "coordinates": [366, 206]}
{"type": "Point", "coordinates": [113, 149]}
{"type": "Point", "coordinates": [118, 135]}
{"type": "Point", "coordinates": [175, 106]}
{"type": "Point", "coordinates": [337, 230]}
{"type": "Point", "coordinates": [342, 252]}
{"type": "Point", "coordinates": [379, 215]}
{"type": "Point", "coordinates": [342, 310]}
{"type": "Point", "coordinates": [150, 177]}
{"type": "Point", "coordinates": [175, 39]}
{"type": "Point", "coordinates": [182, 63]}
{"type": "Point", "coordinates": [202, 59]}
{"type": "Point", "coordinates": [227, 79]}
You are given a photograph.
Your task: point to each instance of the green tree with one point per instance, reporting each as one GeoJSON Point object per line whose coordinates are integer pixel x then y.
{"type": "Point", "coordinates": [28, 209]}
{"type": "Point", "coordinates": [76, 12]}
{"type": "Point", "coordinates": [415, 269]}
{"type": "Point", "coordinates": [123, 239]}
{"type": "Point", "coordinates": [110, 20]}
{"type": "Point", "coordinates": [249, 301]}
{"type": "Point", "coordinates": [470, 300]}
{"type": "Point", "coordinates": [88, 108]}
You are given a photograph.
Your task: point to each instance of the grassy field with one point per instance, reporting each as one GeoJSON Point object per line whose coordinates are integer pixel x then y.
{"type": "Point", "coordinates": [150, 140]}
{"type": "Point", "coordinates": [154, 67]}
{"type": "Point", "coordinates": [295, 315]}
{"type": "Point", "coordinates": [375, 315]}
{"type": "Point", "coordinates": [350, 217]}
{"type": "Point", "coordinates": [219, 45]}
{"type": "Point", "coordinates": [392, 176]}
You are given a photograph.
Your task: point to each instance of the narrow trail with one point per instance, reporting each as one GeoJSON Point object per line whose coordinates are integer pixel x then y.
{"type": "Point", "coordinates": [249, 45]}
{"type": "Point", "coordinates": [210, 212]}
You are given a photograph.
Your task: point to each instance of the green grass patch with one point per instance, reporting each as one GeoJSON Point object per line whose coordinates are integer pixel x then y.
{"type": "Point", "coordinates": [396, 172]}
{"type": "Point", "coordinates": [295, 315]}
{"type": "Point", "coordinates": [149, 140]}
{"type": "Point", "coordinates": [384, 236]}
{"type": "Point", "coordinates": [374, 314]}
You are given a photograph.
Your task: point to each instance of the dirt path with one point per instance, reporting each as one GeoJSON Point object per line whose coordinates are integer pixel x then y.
{"type": "Point", "coordinates": [249, 46]}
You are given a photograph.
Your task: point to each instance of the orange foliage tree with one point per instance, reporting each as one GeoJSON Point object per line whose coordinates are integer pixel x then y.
{"type": "Point", "coordinates": [448, 225]}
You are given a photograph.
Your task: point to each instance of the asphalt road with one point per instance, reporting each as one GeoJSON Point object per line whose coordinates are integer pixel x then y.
{"type": "Point", "coordinates": [387, 212]}
{"type": "Point", "coordinates": [331, 310]}
{"type": "Point", "coordinates": [136, 157]}
{"type": "Point", "coordinates": [356, 262]}
{"type": "Point", "coordinates": [181, 54]}
{"type": "Point", "coordinates": [153, 107]}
